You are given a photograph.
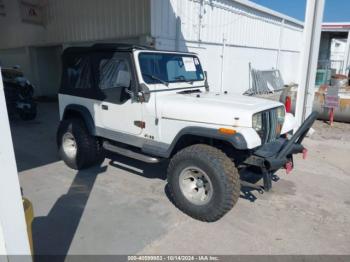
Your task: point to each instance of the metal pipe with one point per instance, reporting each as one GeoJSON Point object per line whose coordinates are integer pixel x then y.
{"type": "Point", "coordinates": [177, 32]}
{"type": "Point", "coordinates": [222, 62]}
{"type": "Point", "coordinates": [299, 135]}
{"type": "Point", "coordinates": [280, 43]}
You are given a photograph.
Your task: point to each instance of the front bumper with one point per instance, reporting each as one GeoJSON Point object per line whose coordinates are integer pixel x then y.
{"type": "Point", "coordinates": [275, 155]}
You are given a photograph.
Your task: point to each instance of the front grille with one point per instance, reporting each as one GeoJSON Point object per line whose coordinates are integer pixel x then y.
{"type": "Point", "coordinates": [271, 127]}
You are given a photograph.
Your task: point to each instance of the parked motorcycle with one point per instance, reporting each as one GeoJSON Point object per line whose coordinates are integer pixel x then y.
{"type": "Point", "coordinates": [19, 94]}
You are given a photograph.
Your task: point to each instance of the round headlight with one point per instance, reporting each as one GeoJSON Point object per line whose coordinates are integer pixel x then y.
{"type": "Point", "coordinates": [281, 112]}
{"type": "Point", "coordinates": [257, 122]}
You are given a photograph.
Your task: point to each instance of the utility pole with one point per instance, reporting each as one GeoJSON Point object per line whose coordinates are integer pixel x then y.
{"type": "Point", "coordinates": [309, 59]}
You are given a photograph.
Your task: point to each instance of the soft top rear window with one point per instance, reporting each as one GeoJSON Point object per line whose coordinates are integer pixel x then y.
{"type": "Point", "coordinates": [78, 73]}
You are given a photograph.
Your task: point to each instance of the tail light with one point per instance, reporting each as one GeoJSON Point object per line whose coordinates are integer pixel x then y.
{"type": "Point", "coordinates": [288, 104]}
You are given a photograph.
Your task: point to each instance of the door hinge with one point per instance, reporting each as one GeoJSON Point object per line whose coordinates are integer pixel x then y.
{"type": "Point", "coordinates": [140, 124]}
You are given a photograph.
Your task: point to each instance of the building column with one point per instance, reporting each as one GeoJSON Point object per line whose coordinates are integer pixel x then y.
{"type": "Point", "coordinates": [12, 221]}
{"type": "Point", "coordinates": [309, 59]}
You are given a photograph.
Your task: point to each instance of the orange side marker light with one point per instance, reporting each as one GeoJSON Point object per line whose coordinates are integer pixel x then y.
{"type": "Point", "coordinates": [227, 131]}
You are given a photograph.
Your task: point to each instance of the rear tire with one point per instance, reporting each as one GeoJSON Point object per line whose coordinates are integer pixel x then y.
{"type": "Point", "coordinates": [207, 171]}
{"type": "Point", "coordinates": [76, 147]}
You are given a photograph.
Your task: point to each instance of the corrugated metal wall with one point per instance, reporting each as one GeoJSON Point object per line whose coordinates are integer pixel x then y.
{"type": "Point", "coordinates": [13, 32]}
{"type": "Point", "coordinates": [86, 20]}
{"type": "Point", "coordinates": [76, 21]}
{"type": "Point", "coordinates": [250, 36]}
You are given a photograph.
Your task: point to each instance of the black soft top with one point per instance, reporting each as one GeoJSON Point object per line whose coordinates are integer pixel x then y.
{"type": "Point", "coordinates": [121, 47]}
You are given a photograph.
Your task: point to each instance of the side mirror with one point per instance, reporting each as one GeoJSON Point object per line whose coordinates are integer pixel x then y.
{"type": "Point", "coordinates": [144, 93]}
{"type": "Point", "coordinates": [206, 84]}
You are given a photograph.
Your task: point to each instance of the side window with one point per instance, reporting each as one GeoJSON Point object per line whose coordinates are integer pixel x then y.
{"type": "Point", "coordinates": [79, 72]}
{"type": "Point", "coordinates": [114, 72]}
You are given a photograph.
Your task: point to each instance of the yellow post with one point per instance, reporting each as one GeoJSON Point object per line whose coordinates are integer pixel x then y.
{"type": "Point", "coordinates": [29, 215]}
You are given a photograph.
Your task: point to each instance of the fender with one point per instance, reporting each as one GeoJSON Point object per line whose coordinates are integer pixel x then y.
{"type": "Point", "coordinates": [84, 113]}
{"type": "Point", "coordinates": [237, 140]}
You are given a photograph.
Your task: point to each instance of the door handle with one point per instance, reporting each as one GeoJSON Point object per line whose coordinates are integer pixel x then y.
{"type": "Point", "coordinates": [104, 107]}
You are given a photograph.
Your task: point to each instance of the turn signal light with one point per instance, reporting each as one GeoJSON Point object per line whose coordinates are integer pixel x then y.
{"type": "Point", "coordinates": [227, 131]}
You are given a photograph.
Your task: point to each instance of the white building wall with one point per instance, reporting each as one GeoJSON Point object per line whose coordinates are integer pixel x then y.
{"type": "Point", "coordinates": [291, 37]}
{"type": "Point", "coordinates": [338, 47]}
{"type": "Point", "coordinates": [251, 34]}
{"type": "Point", "coordinates": [337, 54]}
{"type": "Point", "coordinates": [288, 64]}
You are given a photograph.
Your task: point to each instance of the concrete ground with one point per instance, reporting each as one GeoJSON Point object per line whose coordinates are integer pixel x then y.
{"type": "Point", "coordinates": [122, 207]}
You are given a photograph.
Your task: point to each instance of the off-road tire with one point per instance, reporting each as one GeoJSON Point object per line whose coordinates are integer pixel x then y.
{"type": "Point", "coordinates": [89, 149]}
{"type": "Point", "coordinates": [222, 173]}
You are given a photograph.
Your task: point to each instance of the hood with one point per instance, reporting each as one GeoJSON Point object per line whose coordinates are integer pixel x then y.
{"type": "Point", "coordinates": [212, 108]}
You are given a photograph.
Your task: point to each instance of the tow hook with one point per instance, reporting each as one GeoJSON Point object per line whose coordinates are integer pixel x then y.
{"type": "Point", "coordinates": [304, 153]}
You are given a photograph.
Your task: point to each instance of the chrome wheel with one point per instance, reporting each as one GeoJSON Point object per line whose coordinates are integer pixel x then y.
{"type": "Point", "coordinates": [195, 185]}
{"type": "Point", "coordinates": [69, 145]}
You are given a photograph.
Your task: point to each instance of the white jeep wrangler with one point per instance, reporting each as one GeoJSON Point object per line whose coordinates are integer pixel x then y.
{"type": "Point", "coordinates": [156, 105]}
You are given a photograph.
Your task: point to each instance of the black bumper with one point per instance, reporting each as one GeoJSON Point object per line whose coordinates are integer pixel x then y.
{"type": "Point", "coordinates": [275, 155]}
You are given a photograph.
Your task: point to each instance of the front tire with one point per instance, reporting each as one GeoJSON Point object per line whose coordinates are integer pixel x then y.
{"type": "Point", "coordinates": [76, 147]}
{"type": "Point", "coordinates": [203, 182]}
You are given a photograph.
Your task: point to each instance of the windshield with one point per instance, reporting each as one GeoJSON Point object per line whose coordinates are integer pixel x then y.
{"type": "Point", "coordinates": [170, 68]}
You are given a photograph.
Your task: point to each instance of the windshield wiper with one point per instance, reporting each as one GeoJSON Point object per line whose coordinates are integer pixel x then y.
{"type": "Point", "coordinates": [157, 78]}
{"type": "Point", "coordinates": [181, 77]}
